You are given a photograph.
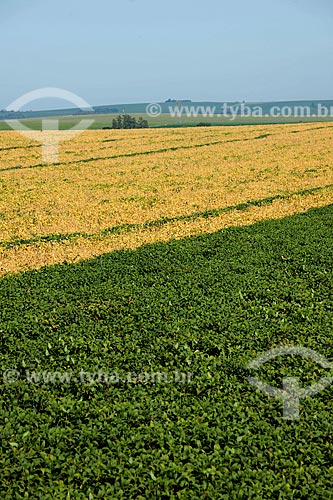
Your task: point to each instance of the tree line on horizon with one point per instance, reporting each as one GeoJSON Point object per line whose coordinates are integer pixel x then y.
{"type": "Point", "coordinates": [129, 122]}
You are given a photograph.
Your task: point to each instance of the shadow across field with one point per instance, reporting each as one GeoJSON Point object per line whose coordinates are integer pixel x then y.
{"type": "Point", "coordinates": [206, 305]}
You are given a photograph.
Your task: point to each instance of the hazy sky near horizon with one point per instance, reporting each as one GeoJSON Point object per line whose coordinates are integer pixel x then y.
{"type": "Point", "coordinates": [109, 51]}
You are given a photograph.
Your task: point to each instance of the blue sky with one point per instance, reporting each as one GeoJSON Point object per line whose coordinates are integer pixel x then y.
{"type": "Point", "coordinates": [117, 51]}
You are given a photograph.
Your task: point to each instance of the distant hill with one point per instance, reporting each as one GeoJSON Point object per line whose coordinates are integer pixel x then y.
{"type": "Point", "coordinates": [140, 108]}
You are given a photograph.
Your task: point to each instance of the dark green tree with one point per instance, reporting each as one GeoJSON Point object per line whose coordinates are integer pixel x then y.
{"type": "Point", "coordinates": [119, 122]}
{"type": "Point", "coordinates": [129, 122]}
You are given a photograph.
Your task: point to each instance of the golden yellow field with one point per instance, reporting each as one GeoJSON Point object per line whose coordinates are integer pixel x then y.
{"type": "Point", "coordinates": [109, 185]}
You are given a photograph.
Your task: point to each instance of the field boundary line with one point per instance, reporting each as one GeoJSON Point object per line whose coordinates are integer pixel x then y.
{"type": "Point", "coordinates": [126, 228]}
{"type": "Point", "coordinates": [128, 155]}
{"type": "Point", "coordinates": [70, 151]}
{"type": "Point", "coordinates": [141, 153]}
